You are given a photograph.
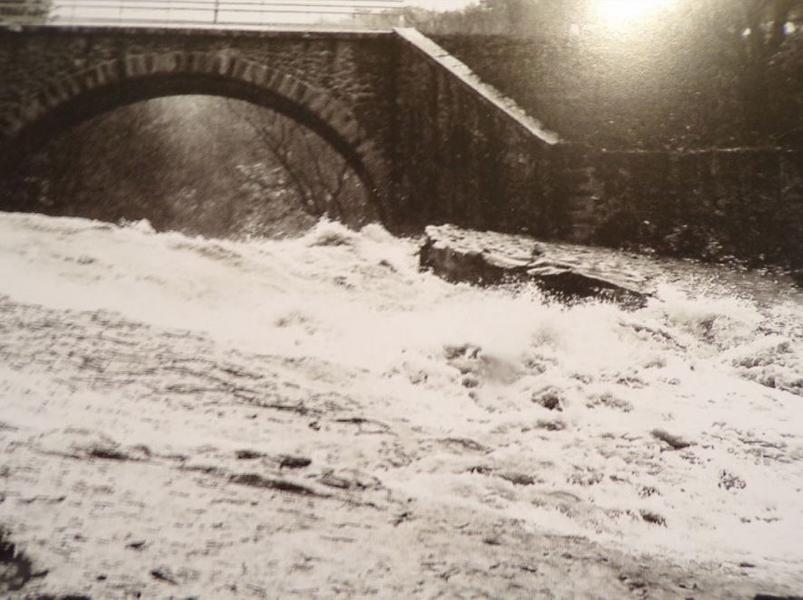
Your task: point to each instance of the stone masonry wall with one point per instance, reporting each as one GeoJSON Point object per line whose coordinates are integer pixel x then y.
{"type": "Point", "coordinates": [746, 203]}
{"type": "Point", "coordinates": [466, 155]}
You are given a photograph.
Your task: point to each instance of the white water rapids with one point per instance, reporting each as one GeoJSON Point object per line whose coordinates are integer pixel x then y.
{"type": "Point", "coordinates": [675, 430]}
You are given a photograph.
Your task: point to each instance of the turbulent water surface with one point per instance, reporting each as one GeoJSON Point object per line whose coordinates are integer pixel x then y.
{"type": "Point", "coordinates": [315, 417]}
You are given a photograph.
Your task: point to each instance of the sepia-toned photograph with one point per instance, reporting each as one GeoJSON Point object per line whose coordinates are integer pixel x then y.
{"type": "Point", "coordinates": [437, 299]}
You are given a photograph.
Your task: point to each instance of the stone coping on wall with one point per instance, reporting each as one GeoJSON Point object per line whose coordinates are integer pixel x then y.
{"type": "Point", "coordinates": [464, 74]}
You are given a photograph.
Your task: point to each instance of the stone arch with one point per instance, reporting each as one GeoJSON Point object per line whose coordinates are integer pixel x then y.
{"type": "Point", "coordinates": [93, 90]}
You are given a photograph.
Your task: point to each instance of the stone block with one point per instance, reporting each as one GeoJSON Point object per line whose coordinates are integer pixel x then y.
{"type": "Point", "coordinates": [135, 66]}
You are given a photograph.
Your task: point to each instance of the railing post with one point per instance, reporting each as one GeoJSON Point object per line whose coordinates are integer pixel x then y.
{"type": "Point", "coordinates": [214, 16]}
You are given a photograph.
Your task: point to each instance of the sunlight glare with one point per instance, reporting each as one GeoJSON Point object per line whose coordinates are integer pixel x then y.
{"type": "Point", "coordinates": [617, 14]}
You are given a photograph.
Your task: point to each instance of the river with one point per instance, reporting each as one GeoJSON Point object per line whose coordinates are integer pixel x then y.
{"type": "Point", "coordinates": [157, 387]}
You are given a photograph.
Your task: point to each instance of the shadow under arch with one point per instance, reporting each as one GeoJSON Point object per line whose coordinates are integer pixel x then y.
{"type": "Point", "coordinates": [88, 93]}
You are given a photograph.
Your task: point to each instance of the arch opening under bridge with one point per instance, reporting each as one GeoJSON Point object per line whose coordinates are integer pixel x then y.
{"type": "Point", "coordinates": [93, 90]}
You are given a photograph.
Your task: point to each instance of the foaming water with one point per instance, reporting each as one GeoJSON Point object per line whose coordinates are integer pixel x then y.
{"type": "Point", "coordinates": [579, 401]}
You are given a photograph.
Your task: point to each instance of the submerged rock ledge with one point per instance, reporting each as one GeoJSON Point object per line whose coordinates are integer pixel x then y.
{"type": "Point", "coordinates": [487, 258]}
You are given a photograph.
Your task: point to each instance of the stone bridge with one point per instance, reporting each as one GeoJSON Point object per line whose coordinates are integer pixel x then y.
{"type": "Point", "coordinates": [429, 141]}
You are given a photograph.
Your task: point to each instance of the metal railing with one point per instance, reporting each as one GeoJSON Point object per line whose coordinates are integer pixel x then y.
{"type": "Point", "coordinates": [198, 12]}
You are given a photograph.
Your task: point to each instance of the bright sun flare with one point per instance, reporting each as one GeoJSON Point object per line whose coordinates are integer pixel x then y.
{"type": "Point", "coordinates": [622, 13]}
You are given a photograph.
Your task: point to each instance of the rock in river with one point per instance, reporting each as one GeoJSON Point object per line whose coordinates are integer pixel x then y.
{"type": "Point", "coordinates": [566, 271]}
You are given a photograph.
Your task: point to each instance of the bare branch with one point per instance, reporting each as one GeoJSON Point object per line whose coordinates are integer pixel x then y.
{"type": "Point", "coordinates": [278, 148]}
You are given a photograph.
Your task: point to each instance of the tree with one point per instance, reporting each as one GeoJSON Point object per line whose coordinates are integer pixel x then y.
{"type": "Point", "coordinates": [759, 40]}
{"type": "Point", "coordinates": [322, 180]}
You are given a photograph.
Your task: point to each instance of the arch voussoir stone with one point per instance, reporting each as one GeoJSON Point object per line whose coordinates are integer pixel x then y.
{"type": "Point", "coordinates": [274, 80]}
{"type": "Point", "coordinates": [135, 65]}
{"type": "Point", "coordinates": [195, 61]}
{"type": "Point", "coordinates": [247, 72]}
{"type": "Point", "coordinates": [181, 60]}
{"type": "Point", "coordinates": [220, 64]}
{"type": "Point", "coordinates": [238, 68]}
{"type": "Point", "coordinates": [330, 110]}
{"type": "Point", "coordinates": [162, 63]}
{"type": "Point", "coordinates": [352, 133]}
{"type": "Point", "coordinates": [257, 74]}
{"type": "Point", "coordinates": [298, 91]}
{"type": "Point", "coordinates": [285, 85]}
{"type": "Point", "coordinates": [317, 101]}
